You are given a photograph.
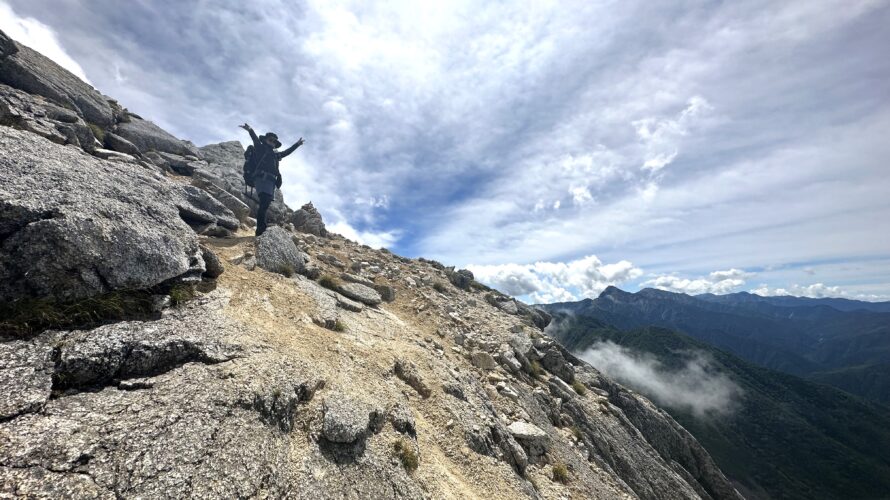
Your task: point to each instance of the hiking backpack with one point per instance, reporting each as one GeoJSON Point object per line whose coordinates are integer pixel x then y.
{"type": "Point", "coordinates": [250, 164]}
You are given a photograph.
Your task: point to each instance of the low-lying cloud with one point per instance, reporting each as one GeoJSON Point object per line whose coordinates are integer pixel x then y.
{"type": "Point", "coordinates": [718, 282]}
{"type": "Point", "coordinates": [547, 282]}
{"type": "Point", "coordinates": [697, 387]}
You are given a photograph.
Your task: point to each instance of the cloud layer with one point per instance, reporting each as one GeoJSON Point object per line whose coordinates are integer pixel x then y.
{"type": "Point", "coordinates": [682, 137]}
{"type": "Point", "coordinates": [547, 282]}
{"type": "Point", "coordinates": [697, 387]}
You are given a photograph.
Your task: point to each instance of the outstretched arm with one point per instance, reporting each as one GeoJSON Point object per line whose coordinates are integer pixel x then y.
{"type": "Point", "coordinates": [291, 149]}
{"type": "Point", "coordinates": [253, 137]}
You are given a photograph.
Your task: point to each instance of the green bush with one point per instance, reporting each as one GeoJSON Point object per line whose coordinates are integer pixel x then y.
{"type": "Point", "coordinates": [29, 316]}
{"type": "Point", "coordinates": [329, 282]}
{"type": "Point", "coordinates": [536, 369]}
{"type": "Point", "coordinates": [440, 287]}
{"type": "Point", "coordinates": [579, 387]}
{"type": "Point", "coordinates": [560, 473]}
{"type": "Point", "coordinates": [286, 270]}
{"type": "Point", "coordinates": [405, 453]}
{"type": "Point", "coordinates": [181, 293]}
{"type": "Point", "coordinates": [98, 132]}
{"type": "Point", "coordinates": [339, 326]}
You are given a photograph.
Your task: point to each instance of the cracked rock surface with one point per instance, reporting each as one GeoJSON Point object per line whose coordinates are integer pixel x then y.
{"type": "Point", "coordinates": [73, 225]}
{"type": "Point", "coordinates": [206, 417]}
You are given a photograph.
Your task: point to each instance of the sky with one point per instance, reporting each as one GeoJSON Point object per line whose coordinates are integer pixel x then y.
{"type": "Point", "coordinates": [553, 148]}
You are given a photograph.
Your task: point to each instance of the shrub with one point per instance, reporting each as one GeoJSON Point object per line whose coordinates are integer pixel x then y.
{"type": "Point", "coordinates": [98, 133]}
{"type": "Point", "coordinates": [339, 326]}
{"type": "Point", "coordinates": [536, 369]}
{"type": "Point", "coordinates": [329, 282]}
{"type": "Point", "coordinates": [287, 270]}
{"type": "Point", "coordinates": [440, 287]}
{"type": "Point", "coordinates": [29, 316]}
{"type": "Point", "coordinates": [405, 453]}
{"type": "Point", "coordinates": [579, 387]}
{"type": "Point", "coordinates": [560, 473]}
{"type": "Point", "coordinates": [181, 293]}
{"type": "Point", "coordinates": [576, 431]}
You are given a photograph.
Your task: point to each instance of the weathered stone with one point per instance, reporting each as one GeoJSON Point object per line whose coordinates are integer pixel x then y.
{"type": "Point", "coordinates": [147, 136]}
{"type": "Point", "coordinates": [213, 266]}
{"type": "Point", "coordinates": [387, 293]}
{"type": "Point", "coordinates": [276, 252]}
{"type": "Point", "coordinates": [74, 226]}
{"type": "Point", "coordinates": [352, 278]}
{"type": "Point", "coordinates": [119, 144]}
{"type": "Point", "coordinates": [348, 304]}
{"type": "Point", "coordinates": [308, 220]}
{"type": "Point", "coordinates": [483, 360]}
{"type": "Point", "coordinates": [30, 71]}
{"type": "Point", "coordinates": [346, 420]}
{"type": "Point", "coordinates": [533, 440]}
{"type": "Point", "coordinates": [461, 278]}
{"type": "Point", "coordinates": [402, 419]}
{"type": "Point", "coordinates": [361, 293]}
{"type": "Point", "coordinates": [408, 373]}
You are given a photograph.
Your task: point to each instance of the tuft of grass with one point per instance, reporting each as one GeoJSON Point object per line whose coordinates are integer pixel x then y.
{"type": "Point", "coordinates": [475, 285]}
{"type": "Point", "coordinates": [287, 270]}
{"type": "Point", "coordinates": [560, 473]}
{"type": "Point", "coordinates": [579, 387]}
{"type": "Point", "coordinates": [536, 369]}
{"type": "Point", "coordinates": [576, 431]}
{"type": "Point", "coordinates": [405, 453]}
{"type": "Point", "coordinates": [181, 293]}
{"type": "Point", "coordinates": [329, 282]}
{"type": "Point", "coordinates": [29, 316]}
{"type": "Point", "coordinates": [339, 326]}
{"type": "Point", "coordinates": [440, 287]}
{"type": "Point", "coordinates": [98, 132]}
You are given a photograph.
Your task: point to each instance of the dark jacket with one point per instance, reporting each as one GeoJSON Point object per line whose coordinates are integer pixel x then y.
{"type": "Point", "coordinates": [268, 158]}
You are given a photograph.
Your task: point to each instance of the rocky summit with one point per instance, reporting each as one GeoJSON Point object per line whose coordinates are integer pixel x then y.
{"type": "Point", "coordinates": [153, 348]}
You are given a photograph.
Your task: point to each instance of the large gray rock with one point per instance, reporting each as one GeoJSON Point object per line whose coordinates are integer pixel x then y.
{"type": "Point", "coordinates": [276, 252]}
{"type": "Point", "coordinates": [308, 220]}
{"type": "Point", "coordinates": [225, 161]}
{"type": "Point", "coordinates": [73, 226]}
{"type": "Point", "coordinates": [149, 410]}
{"type": "Point", "coordinates": [28, 70]}
{"type": "Point", "coordinates": [204, 213]}
{"type": "Point", "coordinates": [346, 420]}
{"type": "Point", "coordinates": [36, 114]}
{"type": "Point", "coordinates": [361, 293]}
{"type": "Point", "coordinates": [118, 143]}
{"type": "Point", "coordinates": [7, 45]}
{"type": "Point", "coordinates": [149, 137]}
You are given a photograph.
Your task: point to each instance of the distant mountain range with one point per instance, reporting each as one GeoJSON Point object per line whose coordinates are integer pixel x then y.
{"type": "Point", "coordinates": [844, 343]}
{"type": "Point", "coordinates": [785, 437]}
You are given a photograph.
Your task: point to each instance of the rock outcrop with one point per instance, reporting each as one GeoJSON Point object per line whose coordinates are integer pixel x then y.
{"type": "Point", "coordinates": [73, 226]}
{"type": "Point", "coordinates": [147, 136]}
{"type": "Point", "coordinates": [32, 72]}
{"type": "Point", "coordinates": [308, 220]}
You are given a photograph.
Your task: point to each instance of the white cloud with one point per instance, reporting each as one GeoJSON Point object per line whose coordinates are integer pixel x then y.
{"type": "Point", "coordinates": [697, 386]}
{"type": "Point", "coordinates": [38, 36]}
{"type": "Point", "coordinates": [661, 137]}
{"type": "Point", "coordinates": [547, 282]}
{"type": "Point", "coordinates": [817, 291]}
{"type": "Point", "coordinates": [717, 282]}
{"type": "Point", "coordinates": [384, 239]}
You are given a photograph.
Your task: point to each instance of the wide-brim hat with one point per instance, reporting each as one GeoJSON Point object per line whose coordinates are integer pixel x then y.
{"type": "Point", "coordinates": [273, 136]}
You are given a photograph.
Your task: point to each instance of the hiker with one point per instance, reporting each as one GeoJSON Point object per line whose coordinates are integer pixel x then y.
{"type": "Point", "coordinates": [263, 170]}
